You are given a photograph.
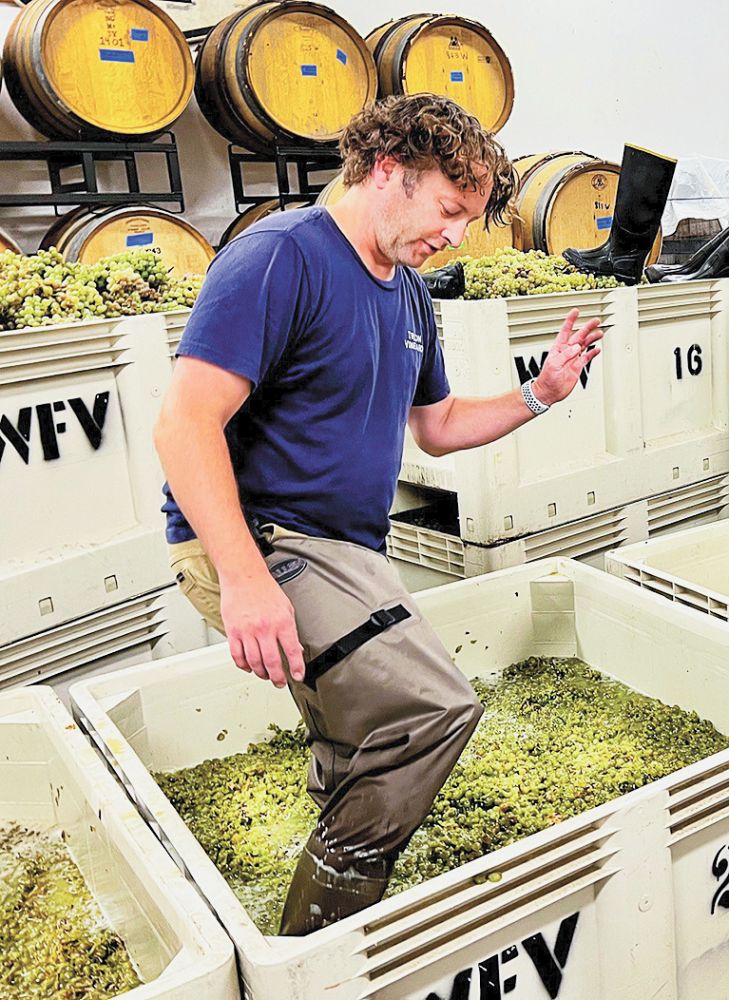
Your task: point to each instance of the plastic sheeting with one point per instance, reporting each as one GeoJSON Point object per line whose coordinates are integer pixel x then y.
{"type": "Point", "coordinates": [700, 190]}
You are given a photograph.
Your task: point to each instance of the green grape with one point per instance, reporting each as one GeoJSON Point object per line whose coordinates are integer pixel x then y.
{"type": "Point", "coordinates": [43, 289]}
{"type": "Point", "coordinates": [556, 738]}
{"type": "Point", "coordinates": [510, 272]}
{"type": "Point", "coordinates": [53, 938]}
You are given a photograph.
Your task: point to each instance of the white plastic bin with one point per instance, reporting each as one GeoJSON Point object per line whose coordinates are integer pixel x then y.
{"type": "Point", "coordinates": [81, 527]}
{"type": "Point", "coordinates": [690, 567]}
{"type": "Point", "coordinates": [442, 551]}
{"type": "Point", "coordinates": [51, 778]}
{"type": "Point", "coordinates": [620, 902]}
{"type": "Point", "coordinates": [651, 415]}
{"type": "Point", "coordinates": [152, 625]}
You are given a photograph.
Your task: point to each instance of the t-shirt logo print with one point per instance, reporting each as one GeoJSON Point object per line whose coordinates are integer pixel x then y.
{"type": "Point", "coordinates": [414, 341]}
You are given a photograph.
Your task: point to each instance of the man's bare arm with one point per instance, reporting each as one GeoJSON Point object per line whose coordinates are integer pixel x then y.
{"type": "Point", "coordinates": [457, 423]}
{"type": "Point", "coordinates": [190, 441]}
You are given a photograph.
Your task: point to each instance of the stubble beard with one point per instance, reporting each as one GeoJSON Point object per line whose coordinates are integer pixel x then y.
{"type": "Point", "coordinates": [396, 248]}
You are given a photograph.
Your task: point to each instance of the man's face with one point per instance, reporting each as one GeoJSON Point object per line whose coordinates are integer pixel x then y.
{"type": "Point", "coordinates": [419, 218]}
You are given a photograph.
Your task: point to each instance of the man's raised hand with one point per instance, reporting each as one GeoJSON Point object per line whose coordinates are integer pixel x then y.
{"type": "Point", "coordinates": [571, 351]}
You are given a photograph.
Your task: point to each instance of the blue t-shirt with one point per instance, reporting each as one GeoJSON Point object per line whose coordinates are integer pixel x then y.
{"type": "Point", "coordinates": [336, 358]}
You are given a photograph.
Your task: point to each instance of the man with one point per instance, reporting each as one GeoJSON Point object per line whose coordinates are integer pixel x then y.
{"type": "Point", "coordinates": [311, 346]}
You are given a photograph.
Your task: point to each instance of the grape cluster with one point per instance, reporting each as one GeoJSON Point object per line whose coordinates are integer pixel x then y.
{"type": "Point", "coordinates": [44, 289]}
{"type": "Point", "coordinates": [509, 271]}
{"type": "Point", "coordinates": [556, 738]}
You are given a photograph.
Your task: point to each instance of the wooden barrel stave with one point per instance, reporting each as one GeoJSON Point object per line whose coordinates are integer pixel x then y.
{"type": "Point", "coordinates": [215, 100]}
{"type": "Point", "coordinates": [57, 234]}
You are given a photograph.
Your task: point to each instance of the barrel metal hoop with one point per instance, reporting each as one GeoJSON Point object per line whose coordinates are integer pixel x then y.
{"type": "Point", "coordinates": [241, 71]}
{"type": "Point", "coordinates": [402, 51]}
{"type": "Point", "coordinates": [386, 35]}
{"type": "Point", "coordinates": [236, 129]}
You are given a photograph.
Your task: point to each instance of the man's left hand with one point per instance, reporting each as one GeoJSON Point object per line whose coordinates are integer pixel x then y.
{"type": "Point", "coordinates": [572, 351]}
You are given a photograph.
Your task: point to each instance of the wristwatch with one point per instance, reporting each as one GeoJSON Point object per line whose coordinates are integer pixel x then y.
{"type": "Point", "coordinates": [535, 405]}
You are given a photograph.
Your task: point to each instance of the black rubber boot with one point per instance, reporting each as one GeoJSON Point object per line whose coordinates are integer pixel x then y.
{"type": "Point", "coordinates": [710, 261]}
{"type": "Point", "coordinates": [645, 180]}
{"type": "Point", "coordinates": [447, 282]}
{"type": "Point", "coordinates": [657, 272]}
{"type": "Point", "coordinates": [320, 895]}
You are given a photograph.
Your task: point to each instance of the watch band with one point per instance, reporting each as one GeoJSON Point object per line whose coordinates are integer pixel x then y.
{"type": "Point", "coordinates": [534, 404]}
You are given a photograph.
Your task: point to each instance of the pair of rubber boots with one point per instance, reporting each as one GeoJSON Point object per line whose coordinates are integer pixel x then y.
{"type": "Point", "coordinates": [645, 180]}
{"type": "Point", "coordinates": [710, 261]}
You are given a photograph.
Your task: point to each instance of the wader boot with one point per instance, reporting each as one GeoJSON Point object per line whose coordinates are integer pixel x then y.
{"type": "Point", "coordinates": [645, 180]}
{"type": "Point", "coordinates": [320, 895]}
{"type": "Point", "coordinates": [387, 713]}
{"type": "Point", "coordinates": [690, 267]}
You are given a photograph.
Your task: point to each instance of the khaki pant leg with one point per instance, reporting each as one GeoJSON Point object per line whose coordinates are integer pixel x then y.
{"type": "Point", "coordinates": [198, 580]}
{"type": "Point", "coordinates": [390, 720]}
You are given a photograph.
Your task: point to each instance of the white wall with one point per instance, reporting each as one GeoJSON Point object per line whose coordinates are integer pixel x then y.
{"type": "Point", "coordinates": [588, 75]}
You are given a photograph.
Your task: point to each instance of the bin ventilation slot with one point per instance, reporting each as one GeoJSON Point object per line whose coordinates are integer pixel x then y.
{"type": "Point", "coordinates": [175, 323]}
{"type": "Point", "coordinates": [433, 549]}
{"type": "Point", "coordinates": [707, 497]}
{"type": "Point", "coordinates": [47, 353]}
{"type": "Point", "coordinates": [580, 538]}
{"type": "Point", "coordinates": [438, 319]}
{"type": "Point", "coordinates": [441, 550]}
{"type": "Point", "coordinates": [572, 864]}
{"type": "Point", "coordinates": [527, 318]}
{"type": "Point", "coordinates": [113, 631]}
{"type": "Point", "coordinates": [698, 803]}
{"type": "Point", "coordinates": [682, 593]}
{"type": "Point", "coordinates": [666, 304]}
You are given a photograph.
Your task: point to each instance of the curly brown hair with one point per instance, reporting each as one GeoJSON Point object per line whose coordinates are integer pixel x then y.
{"type": "Point", "coordinates": [423, 131]}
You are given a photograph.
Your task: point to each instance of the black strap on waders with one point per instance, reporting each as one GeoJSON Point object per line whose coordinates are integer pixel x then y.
{"type": "Point", "coordinates": [377, 623]}
{"type": "Point", "coordinates": [259, 537]}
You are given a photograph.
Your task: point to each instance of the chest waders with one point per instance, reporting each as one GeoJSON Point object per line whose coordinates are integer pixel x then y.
{"type": "Point", "coordinates": [387, 715]}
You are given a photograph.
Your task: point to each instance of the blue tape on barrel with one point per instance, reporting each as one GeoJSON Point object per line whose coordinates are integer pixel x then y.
{"type": "Point", "coordinates": [456, 76]}
{"type": "Point", "coordinates": [342, 56]}
{"type": "Point", "coordinates": [605, 222]}
{"type": "Point", "coordinates": [140, 239]}
{"type": "Point", "coordinates": [116, 55]}
{"type": "Point", "coordinates": [308, 69]}
{"type": "Point", "coordinates": [139, 34]}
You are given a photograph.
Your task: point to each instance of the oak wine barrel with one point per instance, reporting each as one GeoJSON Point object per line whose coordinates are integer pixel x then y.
{"type": "Point", "coordinates": [87, 235]}
{"type": "Point", "coordinates": [448, 55]}
{"type": "Point", "coordinates": [291, 72]}
{"type": "Point", "coordinates": [97, 69]}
